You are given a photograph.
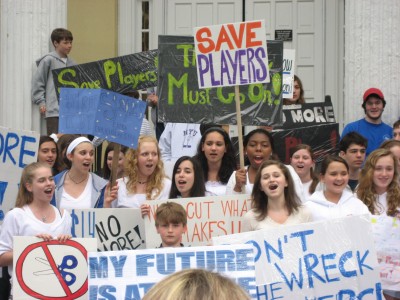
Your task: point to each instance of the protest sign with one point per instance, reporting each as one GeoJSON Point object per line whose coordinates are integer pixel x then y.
{"type": "Point", "coordinates": [387, 244]}
{"type": "Point", "coordinates": [62, 266]}
{"type": "Point", "coordinates": [114, 228]}
{"type": "Point", "coordinates": [181, 100]}
{"type": "Point", "coordinates": [105, 114]}
{"type": "Point", "coordinates": [307, 114]}
{"type": "Point", "coordinates": [323, 139]}
{"type": "Point", "coordinates": [120, 74]}
{"type": "Point", "coordinates": [130, 274]}
{"type": "Point", "coordinates": [231, 54]}
{"type": "Point", "coordinates": [333, 259]}
{"type": "Point", "coordinates": [206, 216]}
{"type": "Point", "coordinates": [289, 56]}
{"type": "Point", "coordinates": [18, 148]}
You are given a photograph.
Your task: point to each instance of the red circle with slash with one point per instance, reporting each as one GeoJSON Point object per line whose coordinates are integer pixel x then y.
{"type": "Point", "coordinates": [68, 294]}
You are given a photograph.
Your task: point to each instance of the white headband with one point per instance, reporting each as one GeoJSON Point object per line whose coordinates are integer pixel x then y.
{"type": "Point", "coordinates": [76, 142]}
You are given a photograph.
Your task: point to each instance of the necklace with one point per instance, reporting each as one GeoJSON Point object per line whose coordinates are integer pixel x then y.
{"type": "Point", "coordinates": [142, 182]}
{"type": "Point", "coordinates": [77, 182]}
{"type": "Point", "coordinates": [44, 219]}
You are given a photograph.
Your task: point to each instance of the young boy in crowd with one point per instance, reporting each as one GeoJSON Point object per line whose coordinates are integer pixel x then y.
{"type": "Point", "coordinates": [353, 147]}
{"type": "Point", "coordinates": [171, 224]}
{"type": "Point", "coordinates": [43, 91]}
{"type": "Point", "coordinates": [396, 130]}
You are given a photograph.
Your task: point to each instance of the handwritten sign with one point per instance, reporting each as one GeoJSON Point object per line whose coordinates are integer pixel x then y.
{"type": "Point", "coordinates": [387, 244]}
{"type": "Point", "coordinates": [207, 217]}
{"type": "Point", "coordinates": [61, 266]}
{"type": "Point", "coordinates": [323, 260]}
{"type": "Point", "coordinates": [130, 274]}
{"type": "Point", "coordinates": [231, 54]}
{"type": "Point", "coordinates": [182, 101]}
{"type": "Point", "coordinates": [18, 148]}
{"type": "Point", "coordinates": [289, 56]}
{"type": "Point", "coordinates": [114, 117]}
{"type": "Point", "coordinates": [114, 228]}
{"type": "Point", "coordinates": [120, 74]}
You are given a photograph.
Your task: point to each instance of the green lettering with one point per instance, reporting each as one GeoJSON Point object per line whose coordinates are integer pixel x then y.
{"type": "Point", "coordinates": [221, 97]}
{"type": "Point", "coordinates": [267, 96]}
{"type": "Point", "coordinates": [64, 82]}
{"type": "Point", "coordinates": [151, 75]}
{"type": "Point", "coordinates": [129, 79]}
{"type": "Point", "coordinates": [255, 98]}
{"type": "Point", "coordinates": [173, 82]}
{"type": "Point", "coordinates": [191, 100]}
{"type": "Point", "coordinates": [276, 83]}
{"type": "Point", "coordinates": [120, 74]}
{"type": "Point", "coordinates": [186, 48]}
{"type": "Point", "coordinates": [109, 69]}
{"type": "Point", "coordinates": [205, 96]}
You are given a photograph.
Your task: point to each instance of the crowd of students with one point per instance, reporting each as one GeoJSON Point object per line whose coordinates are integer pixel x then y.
{"type": "Point", "coordinates": [281, 194]}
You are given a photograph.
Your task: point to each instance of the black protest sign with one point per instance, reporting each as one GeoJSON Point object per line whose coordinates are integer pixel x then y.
{"type": "Point", "coordinates": [182, 101]}
{"type": "Point", "coordinates": [307, 114]}
{"type": "Point", "coordinates": [323, 139]}
{"type": "Point", "coordinates": [121, 74]}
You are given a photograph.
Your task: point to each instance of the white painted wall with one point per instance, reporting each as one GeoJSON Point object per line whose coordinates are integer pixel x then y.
{"type": "Point", "coordinates": [372, 55]}
{"type": "Point", "coordinates": [25, 27]}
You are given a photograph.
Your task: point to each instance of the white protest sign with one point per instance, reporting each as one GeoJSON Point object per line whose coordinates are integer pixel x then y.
{"type": "Point", "coordinates": [231, 54]}
{"type": "Point", "coordinates": [206, 216]}
{"type": "Point", "coordinates": [114, 228]}
{"type": "Point", "coordinates": [18, 148]}
{"type": "Point", "coordinates": [387, 244]}
{"type": "Point", "coordinates": [51, 270]}
{"type": "Point", "coordinates": [130, 274]}
{"type": "Point", "coordinates": [289, 56]}
{"type": "Point", "coordinates": [333, 259]}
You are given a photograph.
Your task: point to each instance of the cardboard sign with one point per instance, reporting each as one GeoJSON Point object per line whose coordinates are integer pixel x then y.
{"type": "Point", "coordinates": [335, 259]}
{"type": "Point", "coordinates": [119, 74]}
{"type": "Point", "coordinates": [182, 101]}
{"type": "Point", "coordinates": [307, 115]}
{"type": "Point", "coordinates": [231, 54]}
{"type": "Point", "coordinates": [207, 217]}
{"type": "Point", "coordinates": [18, 148]}
{"type": "Point", "coordinates": [51, 270]}
{"type": "Point", "coordinates": [114, 228]}
{"type": "Point", "coordinates": [387, 244]}
{"type": "Point", "coordinates": [130, 274]}
{"type": "Point", "coordinates": [289, 57]}
{"type": "Point", "coordinates": [105, 114]}
{"type": "Point", "coordinates": [323, 139]}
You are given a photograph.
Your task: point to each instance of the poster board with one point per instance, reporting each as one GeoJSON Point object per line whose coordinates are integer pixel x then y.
{"type": "Point", "coordinates": [51, 270]}
{"type": "Point", "coordinates": [207, 217]}
{"type": "Point", "coordinates": [105, 114]}
{"type": "Point", "coordinates": [231, 54]}
{"type": "Point", "coordinates": [289, 60]}
{"type": "Point", "coordinates": [333, 259]}
{"type": "Point", "coordinates": [113, 228]}
{"type": "Point", "coordinates": [130, 274]}
{"type": "Point", "coordinates": [18, 148]}
{"type": "Point", "coordinates": [182, 101]}
{"type": "Point", "coordinates": [120, 74]}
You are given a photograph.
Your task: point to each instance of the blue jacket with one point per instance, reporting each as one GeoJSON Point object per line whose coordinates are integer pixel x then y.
{"type": "Point", "coordinates": [98, 189]}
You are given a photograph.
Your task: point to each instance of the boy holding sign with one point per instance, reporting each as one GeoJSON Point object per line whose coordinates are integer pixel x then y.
{"type": "Point", "coordinates": [171, 221]}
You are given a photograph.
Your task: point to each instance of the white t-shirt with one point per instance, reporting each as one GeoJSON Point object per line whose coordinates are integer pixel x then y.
{"type": "Point", "coordinates": [216, 188]}
{"type": "Point", "coordinates": [22, 222]}
{"type": "Point", "coordinates": [83, 200]}
{"type": "Point", "coordinates": [127, 200]}
{"type": "Point", "coordinates": [250, 223]}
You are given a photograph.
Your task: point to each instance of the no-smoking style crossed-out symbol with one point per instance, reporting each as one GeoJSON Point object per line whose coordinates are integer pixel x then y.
{"type": "Point", "coordinates": [65, 271]}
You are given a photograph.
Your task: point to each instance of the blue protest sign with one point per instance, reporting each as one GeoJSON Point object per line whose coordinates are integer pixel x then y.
{"type": "Point", "coordinates": [109, 115]}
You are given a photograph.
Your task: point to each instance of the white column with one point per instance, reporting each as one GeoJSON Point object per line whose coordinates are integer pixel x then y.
{"type": "Point", "coordinates": [25, 28]}
{"type": "Point", "coordinates": [372, 55]}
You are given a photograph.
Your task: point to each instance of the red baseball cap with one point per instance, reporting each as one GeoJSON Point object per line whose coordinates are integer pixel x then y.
{"type": "Point", "coordinates": [373, 91]}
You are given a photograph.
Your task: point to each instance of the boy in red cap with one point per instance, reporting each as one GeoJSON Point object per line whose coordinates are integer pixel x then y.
{"type": "Point", "coordinates": [371, 126]}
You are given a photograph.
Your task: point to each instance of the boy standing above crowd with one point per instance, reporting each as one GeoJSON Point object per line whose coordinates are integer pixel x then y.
{"type": "Point", "coordinates": [43, 91]}
{"type": "Point", "coordinates": [171, 224]}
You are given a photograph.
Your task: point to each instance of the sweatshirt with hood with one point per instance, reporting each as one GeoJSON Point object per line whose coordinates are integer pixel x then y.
{"type": "Point", "coordinates": [43, 91]}
{"type": "Point", "coordinates": [323, 209]}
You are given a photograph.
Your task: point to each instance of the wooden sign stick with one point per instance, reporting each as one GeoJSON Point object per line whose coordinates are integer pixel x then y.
{"type": "Point", "coordinates": [114, 166]}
